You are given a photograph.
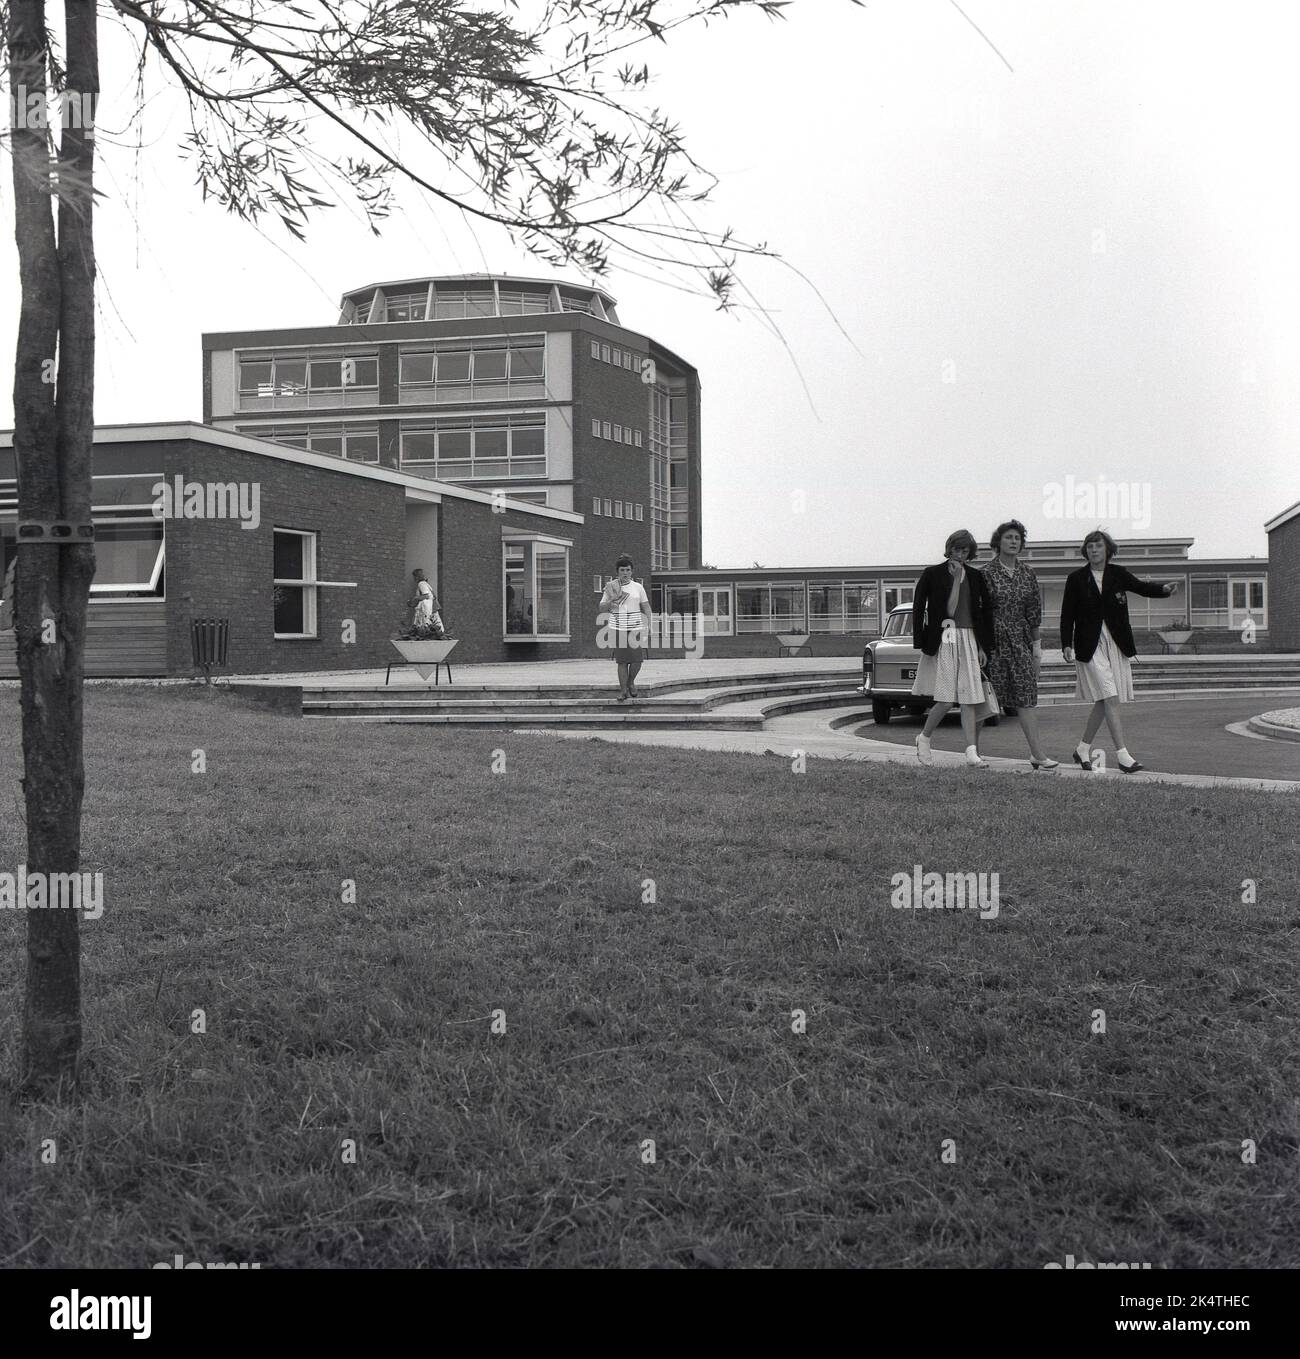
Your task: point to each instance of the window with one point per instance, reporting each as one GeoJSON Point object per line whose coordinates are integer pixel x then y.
{"type": "Point", "coordinates": [627, 359]}
{"type": "Point", "coordinates": [1209, 594]}
{"type": "Point", "coordinates": [595, 504]}
{"type": "Point", "coordinates": [595, 349]}
{"type": "Point", "coordinates": [609, 508]}
{"type": "Point", "coordinates": [604, 353]}
{"type": "Point", "coordinates": [407, 307]}
{"type": "Point", "coordinates": [606, 431]}
{"type": "Point", "coordinates": [128, 560]}
{"type": "Point", "coordinates": [290, 381]}
{"type": "Point", "coordinates": [529, 497]}
{"type": "Point", "coordinates": [293, 591]}
{"type": "Point", "coordinates": [618, 434]}
{"type": "Point", "coordinates": [361, 310]}
{"type": "Point", "coordinates": [637, 437]}
{"type": "Point", "coordinates": [579, 304]}
{"type": "Point", "coordinates": [597, 585]}
{"type": "Point", "coordinates": [618, 509]}
{"type": "Point", "coordinates": [453, 304]}
{"type": "Point", "coordinates": [451, 366]}
{"type": "Point", "coordinates": [627, 434]}
{"type": "Point", "coordinates": [595, 428]}
{"type": "Point", "coordinates": [640, 513]}
{"type": "Point", "coordinates": [524, 302]}
{"type": "Point", "coordinates": [535, 603]}
{"type": "Point", "coordinates": [464, 447]}
{"type": "Point", "coordinates": [360, 443]}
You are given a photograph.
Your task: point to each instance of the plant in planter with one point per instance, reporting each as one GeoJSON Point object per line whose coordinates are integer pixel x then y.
{"type": "Point", "coordinates": [425, 646]}
{"type": "Point", "coordinates": [1175, 635]}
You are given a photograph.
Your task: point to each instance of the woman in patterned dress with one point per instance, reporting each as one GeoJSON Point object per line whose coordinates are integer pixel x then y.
{"type": "Point", "coordinates": [1017, 624]}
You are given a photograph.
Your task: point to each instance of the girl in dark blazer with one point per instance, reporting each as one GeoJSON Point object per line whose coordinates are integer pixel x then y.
{"type": "Point", "coordinates": [952, 626]}
{"type": "Point", "coordinates": [1097, 637]}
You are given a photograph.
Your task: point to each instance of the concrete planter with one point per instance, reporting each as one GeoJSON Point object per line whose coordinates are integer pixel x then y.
{"type": "Point", "coordinates": [426, 657]}
{"type": "Point", "coordinates": [791, 641]}
{"type": "Point", "coordinates": [1175, 638]}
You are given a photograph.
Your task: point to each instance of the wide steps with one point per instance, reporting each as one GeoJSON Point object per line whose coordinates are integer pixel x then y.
{"type": "Point", "coordinates": [531, 717]}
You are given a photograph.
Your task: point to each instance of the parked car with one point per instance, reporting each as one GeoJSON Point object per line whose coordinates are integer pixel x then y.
{"type": "Point", "coordinates": [889, 665]}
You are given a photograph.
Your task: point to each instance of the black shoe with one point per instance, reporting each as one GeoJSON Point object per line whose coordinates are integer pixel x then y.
{"type": "Point", "coordinates": [631, 690]}
{"type": "Point", "coordinates": [1080, 761]}
{"type": "Point", "coordinates": [1131, 768]}
{"type": "Point", "coordinates": [622, 696]}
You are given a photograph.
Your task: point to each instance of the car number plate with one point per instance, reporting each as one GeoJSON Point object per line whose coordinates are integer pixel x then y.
{"type": "Point", "coordinates": [910, 674]}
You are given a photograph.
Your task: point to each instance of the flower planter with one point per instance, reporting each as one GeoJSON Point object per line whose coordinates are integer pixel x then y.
{"type": "Point", "coordinates": [1175, 638]}
{"type": "Point", "coordinates": [426, 657]}
{"type": "Point", "coordinates": [792, 641]}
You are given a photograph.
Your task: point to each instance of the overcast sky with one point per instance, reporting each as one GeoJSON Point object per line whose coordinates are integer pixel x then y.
{"type": "Point", "coordinates": [1085, 267]}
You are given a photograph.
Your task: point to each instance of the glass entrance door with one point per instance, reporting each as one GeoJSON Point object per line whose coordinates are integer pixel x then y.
{"type": "Point", "coordinates": [1246, 600]}
{"type": "Point", "coordinates": [715, 610]}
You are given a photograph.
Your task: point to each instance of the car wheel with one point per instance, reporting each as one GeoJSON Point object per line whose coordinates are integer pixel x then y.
{"type": "Point", "coordinates": [880, 712]}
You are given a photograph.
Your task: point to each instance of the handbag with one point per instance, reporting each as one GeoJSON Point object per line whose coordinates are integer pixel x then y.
{"type": "Point", "coordinates": [990, 707]}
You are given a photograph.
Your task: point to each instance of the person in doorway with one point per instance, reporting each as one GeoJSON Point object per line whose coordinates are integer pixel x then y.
{"type": "Point", "coordinates": [428, 614]}
{"type": "Point", "coordinates": [952, 627]}
{"type": "Point", "coordinates": [1097, 637]}
{"type": "Point", "coordinates": [628, 607]}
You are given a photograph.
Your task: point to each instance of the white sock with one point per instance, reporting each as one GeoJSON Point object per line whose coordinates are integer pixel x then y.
{"type": "Point", "coordinates": [1123, 756]}
{"type": "Point", "coordinates": [972, 755]}
{"type": "Point", "coordinates": [922, 739]}
{"type": "Point", "coordinates": [1085, 752]}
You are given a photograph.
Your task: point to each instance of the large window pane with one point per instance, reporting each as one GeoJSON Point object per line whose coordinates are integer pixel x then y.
{"type": "Point", "coordinates": [529, 443]}
{"type": "Point", "coordinates": [453, 367]}
{"type": "Point", "coordinates": [526, 364]}
{"type": "Point", "coordinates": [255, 378]}
{"type": "Point", "coordinates": [489, 365]}
{"type": "Point", "coordinates": [552, 589]}
{"type": "Point", "coordinates": [519, 595]}
{"type": "Point", "coordinates": [326, 374]}
{"type": "Point", "coordinates": [125, 557]}
{"type": "Point", "coordinates": [416, 368]}
{"type": "Point", "coordinates": [490, 443]}
{"type": "Point", "coordinates": [290, 377]}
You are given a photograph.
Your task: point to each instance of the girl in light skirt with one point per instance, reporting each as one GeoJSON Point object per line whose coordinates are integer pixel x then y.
{"type": "Point", "coordinates": [952, 627]}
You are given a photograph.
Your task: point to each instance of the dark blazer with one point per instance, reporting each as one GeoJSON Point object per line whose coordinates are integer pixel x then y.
{"type": "Point", "coordinates": [930, 608]}
{"type": "Point", "coordinates": [1083, 610]}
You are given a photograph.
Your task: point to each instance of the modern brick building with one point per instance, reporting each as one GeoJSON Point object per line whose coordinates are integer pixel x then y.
{"type": "Point", "coordinates": [1284, 578]}
{"type": "Point", "coordinates": [309, 557]}
{"type": "Point", "coordinates": [516, 385]}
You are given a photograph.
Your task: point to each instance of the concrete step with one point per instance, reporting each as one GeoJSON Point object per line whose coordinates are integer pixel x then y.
{"type": "Point", "coordinates": [624, 717]}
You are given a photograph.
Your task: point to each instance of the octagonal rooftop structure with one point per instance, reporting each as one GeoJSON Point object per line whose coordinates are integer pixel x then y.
{"type": "Point", "coordinates": [450, 297]}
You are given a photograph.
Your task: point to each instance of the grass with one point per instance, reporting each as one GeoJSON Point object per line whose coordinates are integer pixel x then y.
{"type": "Point", "coordinates": [629, 1020]}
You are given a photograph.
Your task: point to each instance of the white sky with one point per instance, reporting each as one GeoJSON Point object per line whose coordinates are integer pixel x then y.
{"type": "Point", "coordinates": [1097, 249]}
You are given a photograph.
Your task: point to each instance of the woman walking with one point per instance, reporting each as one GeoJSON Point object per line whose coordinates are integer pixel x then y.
{"type": "Point", "coordinates": [1096, 636]}
{"type": "Point", "coordinates": [628, 608]}
{"type": "Point", "coordinates": [428, 615]}
{"type": "Point", "coordinates": [952, 626]}
{"type": "Point", "coordinates": [1017, 634]}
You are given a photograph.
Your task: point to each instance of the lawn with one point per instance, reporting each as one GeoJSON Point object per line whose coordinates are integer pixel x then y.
{"type": "Point", "coordinates": [630, 1020]}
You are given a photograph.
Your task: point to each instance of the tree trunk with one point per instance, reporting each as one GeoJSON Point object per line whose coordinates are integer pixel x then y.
{"type": "Point", "coordinates": [53, 433]}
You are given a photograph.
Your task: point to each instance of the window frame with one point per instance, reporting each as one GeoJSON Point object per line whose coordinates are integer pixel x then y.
{"type": "Point", "coordinates": [308, 585]}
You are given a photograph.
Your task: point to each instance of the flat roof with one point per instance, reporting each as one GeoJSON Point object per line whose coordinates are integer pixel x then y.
{"type": "Point", "coordinates": [424, 488]}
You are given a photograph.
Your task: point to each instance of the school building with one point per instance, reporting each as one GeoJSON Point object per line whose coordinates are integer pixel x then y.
{"type": "Point", "coordinates": [512, 437]}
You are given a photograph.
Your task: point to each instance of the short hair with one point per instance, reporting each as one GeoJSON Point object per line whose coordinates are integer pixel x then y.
{"type": "Point", "coordinates": [996, 541]}
{"type": "Point", "coordinates": [624, 560]}
{"type": "Point", "coordinates": [417, 570]}
{"type": "Point", "coordinates": [962, 538]}
{"type": "Point", "coordinates": [1099, 536]}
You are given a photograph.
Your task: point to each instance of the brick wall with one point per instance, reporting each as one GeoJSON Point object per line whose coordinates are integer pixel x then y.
{"type": "Point", "coordinates": [471, 584]}
{"type": "Point", "coordinates": [1284, 586]}
{"type": "Point", "coordinates": [216, 568]}
{"type": "Point", "coordinates": [610, 470]}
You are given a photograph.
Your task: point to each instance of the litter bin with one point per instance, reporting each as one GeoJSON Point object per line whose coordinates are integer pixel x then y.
{"type": "Point", "coordinates": [210, 640]}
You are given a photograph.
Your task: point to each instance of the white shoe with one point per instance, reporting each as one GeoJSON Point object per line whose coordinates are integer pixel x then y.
{"type": "Point", "coordinates": [973, 759]}
{"type": "Point", "coordinates": [923, 750]}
